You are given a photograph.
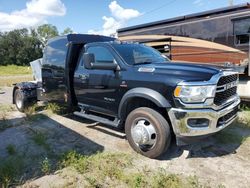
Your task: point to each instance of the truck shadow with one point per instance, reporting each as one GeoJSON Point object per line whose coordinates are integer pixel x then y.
{"type": "Point", "coordinates": [221, 144]}
{"type": "Point", "coordinates": [31, 141]}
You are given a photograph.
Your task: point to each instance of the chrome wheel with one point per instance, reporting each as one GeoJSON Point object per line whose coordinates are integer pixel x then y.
{"type": "Point", "coordinates": [143, 134]}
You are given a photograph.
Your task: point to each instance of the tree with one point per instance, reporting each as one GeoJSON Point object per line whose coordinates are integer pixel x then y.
{"type": "Point", "coordinates": [67, 31]}
{"type": "Point", "coordinates": [19, 47]}
{"type": "Point", "coordinates": [46, 31]}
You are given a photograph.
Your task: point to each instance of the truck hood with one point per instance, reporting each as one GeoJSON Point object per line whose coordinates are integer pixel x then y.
{"type": "Point", "coordinates": [187, 71]}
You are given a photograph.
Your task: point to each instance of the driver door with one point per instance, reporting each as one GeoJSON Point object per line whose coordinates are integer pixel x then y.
{"type": "Point", "coordinates": [97, 88]}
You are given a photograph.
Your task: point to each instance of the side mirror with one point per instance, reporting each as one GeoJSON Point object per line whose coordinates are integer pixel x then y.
{"type": "Point", "coordinates": [89, 60]}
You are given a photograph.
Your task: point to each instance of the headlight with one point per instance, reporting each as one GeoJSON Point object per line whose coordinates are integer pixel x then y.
{"type": "Point", "coordinates": [194, 94]}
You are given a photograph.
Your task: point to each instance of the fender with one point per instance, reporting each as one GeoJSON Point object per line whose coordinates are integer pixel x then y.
{"type": "Point", "coordinates": [28, 88]}
{"type": "Point", "coordinates": [145, 93]}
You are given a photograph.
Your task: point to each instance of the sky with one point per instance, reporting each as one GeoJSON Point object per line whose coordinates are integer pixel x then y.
{"type": "Point", "coordinates": [98, 16]}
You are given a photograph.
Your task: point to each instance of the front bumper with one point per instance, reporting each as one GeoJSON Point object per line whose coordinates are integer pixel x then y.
{"type": "Point", "coordinates": [179, 119]}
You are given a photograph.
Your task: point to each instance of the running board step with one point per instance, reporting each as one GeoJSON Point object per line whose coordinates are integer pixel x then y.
{"type": "Point", "coordinates": [114, 123]}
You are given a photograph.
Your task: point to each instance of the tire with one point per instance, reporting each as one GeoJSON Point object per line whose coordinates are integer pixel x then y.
{"type": "Point", "coordinates": [144, 123]}
{"type": "Point", "coordinates": [19, 100]}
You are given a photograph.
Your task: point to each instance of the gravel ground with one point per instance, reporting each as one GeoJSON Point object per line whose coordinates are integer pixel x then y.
{"type": "Point", "coordinates": [214, 162]}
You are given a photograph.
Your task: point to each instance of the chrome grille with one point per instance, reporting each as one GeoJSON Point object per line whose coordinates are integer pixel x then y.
{"type": "Point", "coordinates": [226, 88]}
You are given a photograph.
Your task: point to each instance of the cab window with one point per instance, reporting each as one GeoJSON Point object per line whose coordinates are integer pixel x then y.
{"type": "Point", "coordinates": [102, 54]}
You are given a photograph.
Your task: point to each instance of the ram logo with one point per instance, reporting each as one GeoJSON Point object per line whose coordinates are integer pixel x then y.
{"type": "Point", "coordinates": [230, 85]}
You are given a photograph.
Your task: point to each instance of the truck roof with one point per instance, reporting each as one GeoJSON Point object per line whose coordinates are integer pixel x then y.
{"type": "Point", "coordinates": [83, 38]}
{"type": "Point", "coordinates": [199, 15]}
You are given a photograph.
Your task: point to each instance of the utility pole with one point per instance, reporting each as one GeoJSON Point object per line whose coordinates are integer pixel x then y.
{"type": "Point", "coordinates": [231, 2]}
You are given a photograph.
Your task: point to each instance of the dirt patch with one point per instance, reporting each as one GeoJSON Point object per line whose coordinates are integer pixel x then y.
{"type": "Point", "coordinates": [219, 160]}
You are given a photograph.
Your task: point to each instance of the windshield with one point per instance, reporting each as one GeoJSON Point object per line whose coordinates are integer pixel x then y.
{"type": "Point", "coordinates": [135, 54]}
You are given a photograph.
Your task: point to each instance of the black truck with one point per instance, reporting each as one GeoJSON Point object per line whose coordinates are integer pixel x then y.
{"type": "Point", "coordinates": [133, 87]}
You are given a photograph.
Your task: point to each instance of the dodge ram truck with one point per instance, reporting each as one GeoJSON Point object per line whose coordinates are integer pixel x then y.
{"type": "Point", "coordinates": [133, 87]}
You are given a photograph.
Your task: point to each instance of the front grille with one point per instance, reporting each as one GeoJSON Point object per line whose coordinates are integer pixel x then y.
{"type": "Point", "coordinates": [223, 95]}
{"type": "Point", "coordinates": [224, 119]}
{"type": "Point", "coordinates": [227, 79]}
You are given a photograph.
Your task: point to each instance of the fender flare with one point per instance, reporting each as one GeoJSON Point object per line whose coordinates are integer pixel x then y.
{"type": "Point", "coordinates": [145, 93]}
{"type": "Point", "coordinates": [24, 87]}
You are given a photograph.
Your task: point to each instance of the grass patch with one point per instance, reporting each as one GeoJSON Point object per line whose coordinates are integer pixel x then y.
{"type": "Point", "coordinates": [11, 149]}
{"type": "Point", "coordinates": [54, 108]}
{"type": "Point", "coordinates": [116, 169]}
{"type": "Point", "coordinates": [243, 119]}
{"type": "Point", "coordinates": [9, 81]}
{"type": "Point", "coordinates": [46, 166]}
{"type": "Point", "coordinates": [11, 70]}
{"type": "Point", "coordinates": [4, 122]}
{"type": "Point", "coordinates": [6, 108]}
{"type": "Point", "coordinates": [32, 115]}
{"type": "Point", "coordinates": [10, 170]}
{"type": "Point", "coordinates": [41, 140]}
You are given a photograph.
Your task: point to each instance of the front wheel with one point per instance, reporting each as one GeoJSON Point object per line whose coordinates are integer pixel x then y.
{"type": "Point", "coordinates": [147, 132]}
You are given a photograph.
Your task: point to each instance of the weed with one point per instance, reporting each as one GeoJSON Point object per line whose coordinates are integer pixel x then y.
{"type": "Point", "coordinates": [46, 166]}
{"type": "Point", "coordinates": [93, 181]}
{"type": "Point", "coordinates": [31, 114]}
{"type": "Point", "coordinates": [54, 108]}
{"type": "Point", "coordinates": [6, 108]}
{"type": "Point", "coordinates": [99, 166]}
{"type": "Point", "coordinates": [10, 169]}
{"type": "Point", "coordinates": [41, 140]}
{"type": "Point", "coordinates": [136, 180]}
{"type": "Point", "coordinates": [193, 182]}
{"type": "Point", "coordinates": [73, 159]}
{"type": "Point", "coordinates": [162, 179]}
{"type": "Point", "coordinates": [11, 149]}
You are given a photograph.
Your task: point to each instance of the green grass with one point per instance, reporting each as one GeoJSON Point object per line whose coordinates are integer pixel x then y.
{"type": "Point", "coordinates": [10, 171]}
{"type": "Point", "coordinates": [11, 149]}
{"type": "Point", "coordinates": [11, 70]}
{"type": "Point", "coordinates": [54, 108]}
{"type": "Point", "coordinates": [41, 140]}
{"type": "Point", "coordinates": [116, 169]}
{"type": "Point", "coordinates": [46, 166]}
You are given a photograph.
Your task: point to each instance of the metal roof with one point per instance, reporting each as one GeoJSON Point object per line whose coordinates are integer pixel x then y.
{"type": "Point", "coordinates": [83, 38]}
{"type": "Point", "coordinates": [190, 16]}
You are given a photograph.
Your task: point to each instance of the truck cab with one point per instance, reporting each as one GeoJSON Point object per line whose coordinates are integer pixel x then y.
{"type": "Point", "coordinates": [134, 87]}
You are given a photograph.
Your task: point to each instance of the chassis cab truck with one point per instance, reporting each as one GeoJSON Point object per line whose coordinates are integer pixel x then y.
{"type": "Point", "coordinates": [133, 87]}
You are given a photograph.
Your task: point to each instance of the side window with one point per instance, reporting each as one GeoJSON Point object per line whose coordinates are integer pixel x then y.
{"type": "Point", "coordinates": [242, 31]}
{"type": "Point", "coordinates": [102, 54]}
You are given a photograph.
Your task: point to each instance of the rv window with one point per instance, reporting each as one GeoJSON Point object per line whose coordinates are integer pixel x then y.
{"type": "Point", "coordinates": [242, 31]}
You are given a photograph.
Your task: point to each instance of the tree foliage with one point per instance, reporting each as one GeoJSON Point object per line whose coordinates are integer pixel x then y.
{"type": "Point", "coordinates": [47, 31]}
{"type": "Point", "coordinates": [19, 47]}
{"type": "Point", "coordinates": [67, 31]}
